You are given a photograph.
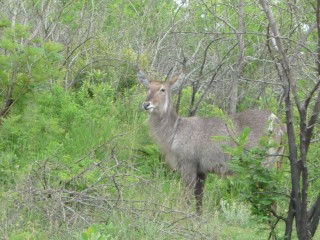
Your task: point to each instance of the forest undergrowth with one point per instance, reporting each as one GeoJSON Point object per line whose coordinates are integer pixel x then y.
{"type": "Point", "coordinates": [76, 157]}
{"type": "Point", "coordinates": [85, 167]}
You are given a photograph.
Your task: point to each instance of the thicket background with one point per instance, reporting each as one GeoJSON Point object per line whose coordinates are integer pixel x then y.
{"type": "Point", "coordinates": [76, 160]}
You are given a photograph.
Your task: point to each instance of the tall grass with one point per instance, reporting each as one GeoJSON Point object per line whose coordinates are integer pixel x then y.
{"type": "Point", "coordinates": [81, 166]}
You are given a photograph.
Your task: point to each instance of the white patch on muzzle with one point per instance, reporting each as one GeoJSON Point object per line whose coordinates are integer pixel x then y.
{"type": "Point", "coordinates": [149, 108]}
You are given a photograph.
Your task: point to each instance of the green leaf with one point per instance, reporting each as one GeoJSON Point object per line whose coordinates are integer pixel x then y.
{"type": "Point", "coordinates": [4, 79]}
{"type": "Point", "coordinates": [21, 31]}
{"type": "Point", "coordinates": [84, 236]}
{"type": "Point", "coordinates": [5, 62]}
{"type": "Point", "coordinates": [243, 137]}
{"type": "Point", "coordinates": [8, 44]}
{"type": "Point", "coordinates": [221, 138]}
{"type": "Point", "coordinates": [53, 47]}
{"type": "Point", "coordinates": [4, 23]}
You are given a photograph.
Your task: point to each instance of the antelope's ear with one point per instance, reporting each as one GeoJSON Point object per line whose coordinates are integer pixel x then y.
{"type": "Point", "coordinates": [143, 78]}
{"type": "Point", "coordinates": [176, 82]}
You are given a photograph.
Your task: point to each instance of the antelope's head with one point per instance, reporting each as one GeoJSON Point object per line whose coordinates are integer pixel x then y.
{"type": "Point", "coordinates": [159, 98]}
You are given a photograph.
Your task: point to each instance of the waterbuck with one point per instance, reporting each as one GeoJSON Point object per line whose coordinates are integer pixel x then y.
{"type": "Point", "coordinates": [187, 141]}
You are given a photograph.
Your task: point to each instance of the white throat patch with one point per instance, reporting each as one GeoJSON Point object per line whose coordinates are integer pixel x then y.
{"type": "Point", "coordinates": [166, 104]}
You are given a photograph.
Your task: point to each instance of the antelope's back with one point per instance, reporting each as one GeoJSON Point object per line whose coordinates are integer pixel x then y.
{"type": "Point", "coordinates": [262, 123]}
{"type": "Point", "coordinates": [193, 143]}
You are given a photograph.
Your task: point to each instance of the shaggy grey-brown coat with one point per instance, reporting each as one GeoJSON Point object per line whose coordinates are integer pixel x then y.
{"type": "Point", "coordinates": [187, 141]}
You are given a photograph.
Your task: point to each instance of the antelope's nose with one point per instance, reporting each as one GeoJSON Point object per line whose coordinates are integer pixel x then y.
{"type": "Point", "coordinates": [146, 105]}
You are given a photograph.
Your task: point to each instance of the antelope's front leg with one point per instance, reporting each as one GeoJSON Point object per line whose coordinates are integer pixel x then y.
{"type": "Point", "coordinates": [194, 184]}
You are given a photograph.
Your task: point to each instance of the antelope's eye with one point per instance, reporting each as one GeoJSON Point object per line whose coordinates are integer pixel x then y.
{"type": "Point", "coordinates": [162, 90]}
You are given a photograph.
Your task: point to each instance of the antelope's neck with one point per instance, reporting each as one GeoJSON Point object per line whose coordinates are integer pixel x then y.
{"type": "Point", "coordinates": [164, 127]}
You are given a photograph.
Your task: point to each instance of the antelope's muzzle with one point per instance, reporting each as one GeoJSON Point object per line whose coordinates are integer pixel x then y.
{"type": "Point", "coordinates": [148, 106]}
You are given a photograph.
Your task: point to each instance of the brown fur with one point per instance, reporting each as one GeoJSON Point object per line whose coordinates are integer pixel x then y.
{"type": "Point", "coordinates": [187, 142]}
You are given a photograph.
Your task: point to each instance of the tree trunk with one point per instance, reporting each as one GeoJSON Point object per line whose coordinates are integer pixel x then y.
{"type": "Point", "coordinates": [306, 224]}
{"type": "Point", "coordinates": [237, 71]}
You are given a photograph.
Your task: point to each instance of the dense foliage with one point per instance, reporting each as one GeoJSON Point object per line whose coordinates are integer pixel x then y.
{"type": "Point", "coordinates": [76, 159]}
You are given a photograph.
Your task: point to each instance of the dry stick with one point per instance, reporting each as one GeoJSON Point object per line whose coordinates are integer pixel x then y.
{"type": "Point", "coordinates": [71, 53]}
{"type": "Point", "coordinates": [96, 61]}
{"type": "Point", "coordinates": [222, 62]}
{"type": "Point", "coordinates": [237, 70]}
{"type": "Point", "coordinates": [195, 84]}
{"type": "Point", "coordinates": [101, 145]}
{"type": "Point", "coordinates": [92, 166]}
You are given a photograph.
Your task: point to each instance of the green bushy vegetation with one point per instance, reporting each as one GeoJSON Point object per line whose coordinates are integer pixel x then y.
{"type": "Point", "coordinates": [76, 158]}
{"type": "Point", "coordinates": [81, 164]}
{"type": "Point", "coordinates": [87, 156]}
